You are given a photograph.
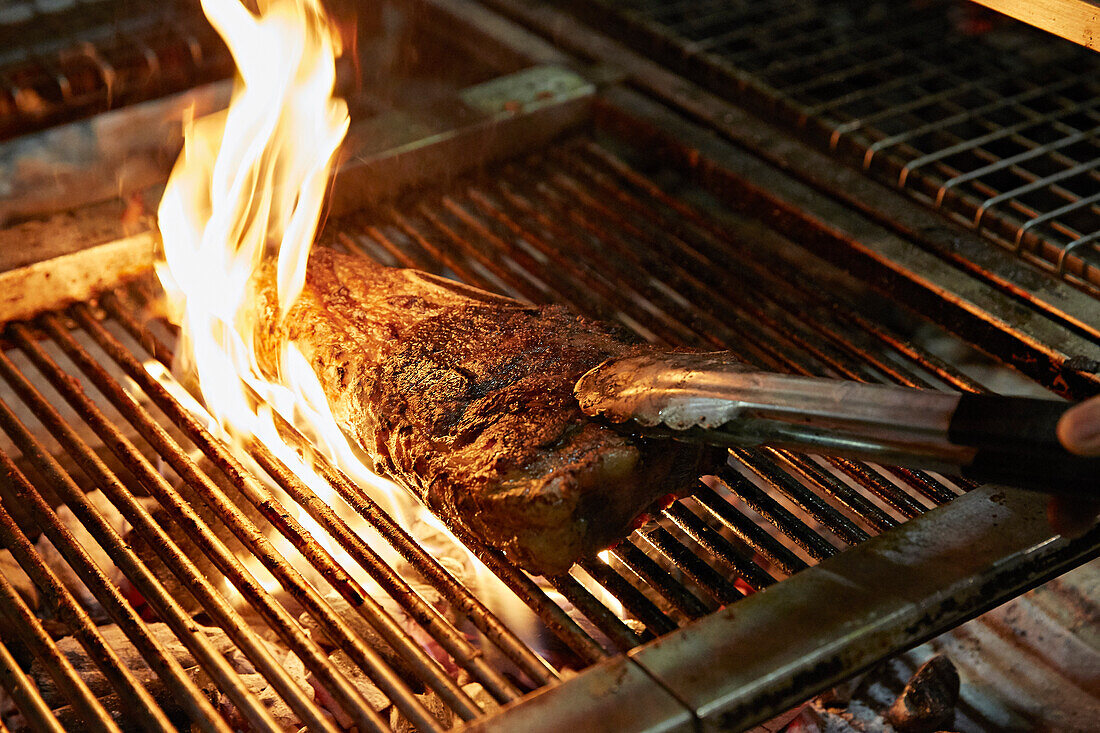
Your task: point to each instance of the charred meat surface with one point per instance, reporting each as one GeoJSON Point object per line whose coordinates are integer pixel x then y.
{"type": "Point", "coordinates": [466, 398]}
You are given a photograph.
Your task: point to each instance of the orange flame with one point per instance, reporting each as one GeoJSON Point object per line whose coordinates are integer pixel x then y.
{"type": "Point", "coordinates": [248, 189]}
{"type": "Point", "coordinates": [248, 186]}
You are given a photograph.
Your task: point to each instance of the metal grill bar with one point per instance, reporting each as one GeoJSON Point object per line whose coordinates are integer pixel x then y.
{"type": "Point", "coordinates": [212, 602]}
{"type": "Point", "coordinates": [138, 573]}
{"type": "Point", "coordinates": [621, 635]}
{"type": "Point", "coordinates": [658, 578]}
{"type": "Point", "coordinates": [718, 587]}
{"type": "Point", "coordinates": [61, 669]}
{"type": "Point", "coordinates": [632, 599]}
{"type": "Point", "coordinates": [771, 510]}
{"type": "Point", "coordinates": [710, 540]}
{"type": "Point", "coordinates": [67, 610]}
{"type": "Point", "coordinates": [269, 507]}
{"type": "Point", "coordinates": [914, 95]}
{"type": "Point", "coordinates": [72, 61]}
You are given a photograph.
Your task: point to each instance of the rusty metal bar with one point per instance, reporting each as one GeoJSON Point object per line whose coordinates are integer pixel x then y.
{"type": "Point", "coordinates": [69, 683]}
{"type": "Point", "coordinates": [83, 629]}
{"type": "Point", "coordinates": [139, 518]}
{"type": "Point", "coordinates": [617, 299]}
{"type": "Point", "coordinates": [679, 597]}
{"type": "Point", "coordinates": [747, 531]}
{"type": "Point", "coordinates": [621, 635]}
{"type": "Point", "coordinates": [281, 621]}
{"type": "Point", "coordinates": [517, 207]}
{"type": "Point", "coordinates": [803, 498]}
{"type": "Point", "coordinates": [843, 493]}
{"type": "Point", "coordinates": [873, 481]}
{"type": "Point", "coordinates": [162, 662]}
{"type": "Point", "coordinates": [28, 700]}
{"type": "Point", "coordinates": [779, 517]}
{"type": "Point", "coordinates": [717, 586]}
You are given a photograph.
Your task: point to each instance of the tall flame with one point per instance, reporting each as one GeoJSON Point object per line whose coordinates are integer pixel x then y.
{"type": "Point", "coordinates": [247, 191]}
{"type": "Point", "coordinates": [249, 185]}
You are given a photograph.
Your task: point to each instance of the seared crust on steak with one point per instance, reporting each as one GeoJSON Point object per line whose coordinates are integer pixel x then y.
{"type": "Point", "coordinates": [466, 398]}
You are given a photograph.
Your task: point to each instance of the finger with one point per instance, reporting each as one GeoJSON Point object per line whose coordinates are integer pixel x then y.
{"type": "Point", "coordinates": [1071, 516]}
{"type": "Point", "coordinates": [1079, 429]}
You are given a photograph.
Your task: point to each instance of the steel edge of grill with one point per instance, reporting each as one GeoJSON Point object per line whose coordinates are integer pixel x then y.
{"type": "Point", "coordinates": [458, 251]}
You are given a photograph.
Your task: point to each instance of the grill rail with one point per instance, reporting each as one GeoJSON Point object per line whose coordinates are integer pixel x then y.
{"type": "Point", "coordinates": [990, 122]}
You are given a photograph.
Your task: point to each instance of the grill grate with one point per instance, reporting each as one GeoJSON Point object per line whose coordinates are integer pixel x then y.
{"type": "Point", "coordinates": [574, 224]}
{"type": "Point", "coordinates": [988, 121]}
{"type": "Point", "coordinates": [64, 60]}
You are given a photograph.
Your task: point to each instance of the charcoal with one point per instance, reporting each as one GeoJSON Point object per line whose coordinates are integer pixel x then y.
{"type": "Point", "coordinates": [258, 685]}
{"type": "Point", "coordinates": [68, 577]}
{"type": "Point", "coordinates": [19, 580]}
{"type": "Point", "coordinates": [130, 658]}
{"type": "Point", "coordinates": [374, 697]}
{"type": "Point", "coordinates": [481, 696]}
{"type": "Point", "coordinates": [435, 706]}
{"type": "Point", "coordinates": [928, 700]}
{"type": "Point", "coordinates": [364, 631]}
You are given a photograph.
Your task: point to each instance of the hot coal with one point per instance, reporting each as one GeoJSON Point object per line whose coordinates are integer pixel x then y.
{"type": "Point", "coordinates": [374, 697]}
{"type": "Point", "coordinates": [434, 705]}
{"type": "Point", "coordinates": [361, 628]}
{"type": "Point", "coordinates": [133, 661]}
{"type": "Point", "coordinates": [928, 700]}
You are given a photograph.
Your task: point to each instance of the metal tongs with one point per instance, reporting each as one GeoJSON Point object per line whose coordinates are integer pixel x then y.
{"type": "Point", "coordinates": [712, 398]}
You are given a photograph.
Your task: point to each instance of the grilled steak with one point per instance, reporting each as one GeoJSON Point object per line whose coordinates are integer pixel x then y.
{"type": "Point", "coordinates": [466, 398]}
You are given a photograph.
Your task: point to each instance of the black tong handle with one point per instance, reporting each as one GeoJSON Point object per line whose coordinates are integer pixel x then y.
{"type": "Point", "coordinates": [1018, 444]}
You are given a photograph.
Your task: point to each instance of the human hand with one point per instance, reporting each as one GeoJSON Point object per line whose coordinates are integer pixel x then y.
{"type": "Point", "coordinates": [1079, 431]}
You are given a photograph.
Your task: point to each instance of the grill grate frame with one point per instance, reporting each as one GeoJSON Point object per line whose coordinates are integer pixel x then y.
{"type": "Point", "coordinates": [990, 122]}
{"type": "Point", "coordinates": [577, 224]}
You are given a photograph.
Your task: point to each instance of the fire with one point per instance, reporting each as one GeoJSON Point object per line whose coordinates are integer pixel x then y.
{"type": "Point", "coordinates": [246, 194]}
{"type": "Point", "coordinates": [249, 187]}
